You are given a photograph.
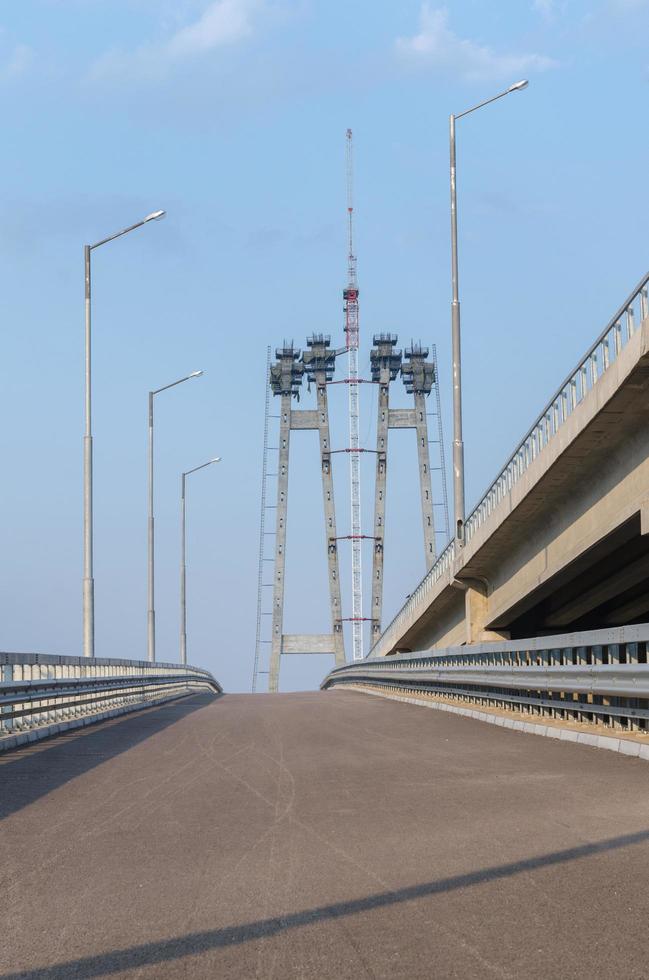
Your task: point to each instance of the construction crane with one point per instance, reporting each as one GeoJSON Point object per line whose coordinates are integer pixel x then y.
{"type": "Point", "coordinates": [350, 296]}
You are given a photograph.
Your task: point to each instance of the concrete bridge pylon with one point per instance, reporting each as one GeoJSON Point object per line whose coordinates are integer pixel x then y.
{"type": "Point", "coordinates": [286, 375]}
{"type": "Point", "coordinates": [419, 376]}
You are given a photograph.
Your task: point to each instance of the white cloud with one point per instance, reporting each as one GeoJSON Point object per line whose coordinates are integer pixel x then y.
{"type": "Point", "coordinates": [18, 62]}
{"type": "Point", "coordinates": [547, 8]}
{"type": "Point", "coordinates": [628, 5]}
{"type": "Point", "coordinates": [222, 23]}
{"type": "Point", "coordinates": [15, 58]}
{"type": "Point", "coordinates": [437, 47]}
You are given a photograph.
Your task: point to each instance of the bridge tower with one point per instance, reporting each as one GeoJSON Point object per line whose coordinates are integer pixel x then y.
{"type": "Point", "coordinates": [385, 364]}
{"type": "Point", "coordinates": [285, 381]}
{"type": "Point", "coordinates": [262, 535]}
{"type": "Point", "coordinates": [286, 375]}
{"type": "Point", "coordinates": [419, 377]}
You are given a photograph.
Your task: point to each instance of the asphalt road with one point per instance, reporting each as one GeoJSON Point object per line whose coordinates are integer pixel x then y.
{"type": "Point", "coordinates": [320, 835]}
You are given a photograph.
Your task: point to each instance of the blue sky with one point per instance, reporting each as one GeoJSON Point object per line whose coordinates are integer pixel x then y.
{"type": "Point", "coordinates": [231, 114]}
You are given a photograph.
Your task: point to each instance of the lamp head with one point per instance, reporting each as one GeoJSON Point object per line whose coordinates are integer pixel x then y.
{"type": "Point", "coordinates": [154, 216]}
{"type": "Point", "coordinates": [517, 86]}
{"type": "Point", "coordinates": [196, 374]}
{"type": "Point", "coordinates": [217, 459]}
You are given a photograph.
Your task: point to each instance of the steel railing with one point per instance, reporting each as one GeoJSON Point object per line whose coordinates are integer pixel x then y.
{"type": "Point", "coordinates": [570, 393]}
{"type": "Point", "coordinates": [40, 694]}
{"type": "Point", "coordinates": [601, 675]}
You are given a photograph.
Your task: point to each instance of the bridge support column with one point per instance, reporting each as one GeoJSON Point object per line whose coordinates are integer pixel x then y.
{"type": "Point", "coordinates": [321, 363]}
{"type": "Point", "coordinates": [419, 376]}
{"type": "Point", "coordinates": [330, 528]}
{"type": "Point", "coordinates": [425, 482]}
{"type": "Point", "coordinates": [286, 373]}
{"type": "Point", "coordinates": [280, 542]}
{"type": "Point", "coordinates": [385, 362]}
{"type": "Point", "coordinates": [476, 604]}
{"type": "Point", "coordinates": [285, 380]}
{"type": "Point", "coordinates": [644, 517]}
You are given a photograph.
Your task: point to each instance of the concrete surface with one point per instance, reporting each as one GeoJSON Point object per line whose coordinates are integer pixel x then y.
{"type": "Point", "coordinates": [549, 556]}
{"type": "Point", "coordinates": [316, 836]}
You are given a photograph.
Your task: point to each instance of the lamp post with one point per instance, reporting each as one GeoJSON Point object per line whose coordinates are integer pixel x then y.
{"type": "Point", "coordinates": [151, 531]}
{"type": "Point", "coordinates": [88, 572]}
{"type": "Point", "coordinates": [458, 445]}
{"type": "Point", "coordinates": [183, 555]}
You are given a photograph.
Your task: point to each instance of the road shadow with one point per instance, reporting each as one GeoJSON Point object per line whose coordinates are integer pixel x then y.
{"type": "Point", "coordinates": [33, 770]}
{"type": "Point", "coordinates": [150, 954]}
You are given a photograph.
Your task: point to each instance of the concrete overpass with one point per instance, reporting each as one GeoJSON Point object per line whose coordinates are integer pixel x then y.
{"type": "Point", "coordinates": [560, 540]}
{"type": "Point", "coordinates": [319, 836]}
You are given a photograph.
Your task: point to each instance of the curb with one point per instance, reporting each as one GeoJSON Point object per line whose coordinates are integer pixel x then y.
{"type": "Point", "coordinates": [623, 745]}
{"type": "Point", "coordinates": [16, 741]}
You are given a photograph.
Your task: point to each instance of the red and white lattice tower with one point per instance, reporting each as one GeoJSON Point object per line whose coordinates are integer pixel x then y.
{"type": "Point", "coordinates": [350, 296]}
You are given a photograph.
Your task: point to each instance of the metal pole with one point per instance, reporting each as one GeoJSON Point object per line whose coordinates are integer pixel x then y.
{"type": "Point", "coordinates": [458, 445]}
{"type": "Point", "coordinates": [88, 574]}
{"type": "Point", "coordinates": [183, 575]}
{"type": "Point", "coordinates": [183, 561]}
{"type": "Point", "coordinates": [150, 580]}
{"type": "Point", "coordinates": [151, 520]}
{"type": "Point", "coordinates": [88, 579]}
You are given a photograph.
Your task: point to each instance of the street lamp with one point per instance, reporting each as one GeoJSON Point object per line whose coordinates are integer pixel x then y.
{"type": "Point", "coordinates": [150, 571]}
{"type": "Point", "coordinates": [458, 445]}
{"type": "Point", "coordinates": [183, 563]}
{"type": "Point", "coordinates": [88, 573]}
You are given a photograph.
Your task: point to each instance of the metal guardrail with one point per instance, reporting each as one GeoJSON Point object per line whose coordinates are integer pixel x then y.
{"type": "Point", "coordinates": [40, 694]}
{"type": "Point", "coordinates": [601, 676]}
{"type": "Point", "coordinates": [570, 393]}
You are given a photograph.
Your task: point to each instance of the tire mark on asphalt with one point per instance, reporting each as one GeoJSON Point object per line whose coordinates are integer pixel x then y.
{"type": "Point", "coordinates": [102, 826]}
{"type": "Point", "coordinates": [493, 968]}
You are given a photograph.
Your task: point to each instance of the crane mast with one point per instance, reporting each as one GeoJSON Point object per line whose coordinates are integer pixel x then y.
{"type": "Point", "coordinates": [350, 296]}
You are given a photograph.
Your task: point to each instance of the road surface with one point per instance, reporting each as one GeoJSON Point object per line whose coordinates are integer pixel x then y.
{"type": "Point", "coordinates": [320, 835]}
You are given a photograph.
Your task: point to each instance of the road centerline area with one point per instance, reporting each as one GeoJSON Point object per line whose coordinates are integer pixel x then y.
{"type": "Point", "coordinates": [320, 835]}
